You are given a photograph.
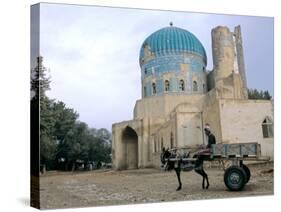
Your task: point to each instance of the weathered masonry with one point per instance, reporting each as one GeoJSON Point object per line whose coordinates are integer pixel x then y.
{"type": "Point", "coordinates": [179, 96]}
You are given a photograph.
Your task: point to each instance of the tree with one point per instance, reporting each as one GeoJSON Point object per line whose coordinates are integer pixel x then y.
{"type": "Point", "coordinates": [40, 83]}
{"type": "Point", "coordinates": [267, 95]}
{"type": "Point", "coordinates": [80, 144]}
{"type": "Point", "coordinates": [255, 94]}
{"type": "Point", "coordinates": [100, 145]}
{"type": "Point", "coordinates": [47, 150]}
{"type": "Point", "coordinates": [104, 135]}
{"type": "Point", "coordinates": [75, 145]}
{"type": "Point", "coordinates": [65, 119]}
{"type": "Point", "coordinates": [63, 139]}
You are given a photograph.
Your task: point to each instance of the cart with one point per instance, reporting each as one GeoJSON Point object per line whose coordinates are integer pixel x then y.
{"type": "Point", "coordinates": [237, 175]}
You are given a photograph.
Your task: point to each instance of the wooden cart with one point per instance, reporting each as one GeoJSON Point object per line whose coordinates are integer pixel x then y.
{"type": "Point", "coordinates": [238, 174]}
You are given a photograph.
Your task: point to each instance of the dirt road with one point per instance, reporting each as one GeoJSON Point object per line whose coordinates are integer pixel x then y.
{"type": "Point", "coordinates": [107, 187]}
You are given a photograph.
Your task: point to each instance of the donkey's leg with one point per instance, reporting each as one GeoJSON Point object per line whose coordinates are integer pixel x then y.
{"type": "Point", "coordinates": [178, 172]}
{"type": "Point", "coordinates": [199, 171]}
{"type": "Point", "coordinates": [206, 177]}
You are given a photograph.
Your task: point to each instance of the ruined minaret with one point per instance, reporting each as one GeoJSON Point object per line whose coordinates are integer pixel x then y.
{"type": "Point", "coordinates": [228, 59]}
{"type": "Point", "coordinates": [223, 52]}
{"type": "Point", "coordinates": [240, 58]}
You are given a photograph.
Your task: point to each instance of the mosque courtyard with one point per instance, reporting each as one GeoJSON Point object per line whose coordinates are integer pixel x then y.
{"type": "Point", "coordinates": [108, 187]}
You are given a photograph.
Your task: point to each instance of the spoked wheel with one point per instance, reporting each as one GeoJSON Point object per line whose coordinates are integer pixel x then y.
{"type": "Point", "coordinates": [248, 172]}
{"type": "Point", "coordinates": [235, 178]}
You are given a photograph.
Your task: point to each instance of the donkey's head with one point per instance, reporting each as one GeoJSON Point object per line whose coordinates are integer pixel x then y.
{"type": "Point", "coordinates": [165, 156]}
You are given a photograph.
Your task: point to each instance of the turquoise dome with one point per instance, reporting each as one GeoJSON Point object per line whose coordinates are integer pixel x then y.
{"type": "Point", "coordinates": [173, 40]}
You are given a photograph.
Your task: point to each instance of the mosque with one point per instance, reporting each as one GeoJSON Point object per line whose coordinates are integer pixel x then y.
{"type": "Point", "coordinates": [179, 96]}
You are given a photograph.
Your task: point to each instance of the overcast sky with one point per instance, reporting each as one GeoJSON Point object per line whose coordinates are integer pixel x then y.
{"type": "Point", "coordinates": [92, 53]}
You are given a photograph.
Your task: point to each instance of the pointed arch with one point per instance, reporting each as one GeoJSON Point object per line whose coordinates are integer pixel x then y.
{"type": "Point", "coordinates": [153, 88]}
{"type": "Point", "coordinates": [167, 85]}
{"type": "Point", "coordinates": [267, 127]}
{"type": "Point", "coordinates": [182, 86]}
{"type": "Point", "coordinates": [195, 85]}
{"type": "Point", "coordinates": [130, 140]}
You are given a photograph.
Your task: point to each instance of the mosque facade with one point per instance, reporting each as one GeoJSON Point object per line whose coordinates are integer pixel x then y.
{"type": "Point", "coordinates": [180, 96]}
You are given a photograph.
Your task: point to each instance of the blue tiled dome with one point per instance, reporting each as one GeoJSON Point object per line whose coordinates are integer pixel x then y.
{"type": "Point", "coordinates": [173, 40]}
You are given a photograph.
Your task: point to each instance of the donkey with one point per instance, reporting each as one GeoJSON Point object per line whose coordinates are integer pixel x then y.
{"type": "Point", "coordinates": [178, 166]}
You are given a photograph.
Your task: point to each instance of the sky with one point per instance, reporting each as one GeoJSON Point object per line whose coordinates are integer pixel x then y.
{"type": "Point", "coordinates": [92, 54]}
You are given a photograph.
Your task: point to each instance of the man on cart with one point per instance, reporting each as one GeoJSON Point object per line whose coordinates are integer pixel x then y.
{"type": "Point", "coordinates": [211, 139]}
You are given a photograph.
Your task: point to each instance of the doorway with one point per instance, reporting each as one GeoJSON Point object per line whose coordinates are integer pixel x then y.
{"type": "Point", "coordinates": [130, 141]}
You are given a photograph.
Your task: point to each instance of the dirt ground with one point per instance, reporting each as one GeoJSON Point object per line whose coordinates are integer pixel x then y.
{"type": "Point", "coordinates": [108, 187]}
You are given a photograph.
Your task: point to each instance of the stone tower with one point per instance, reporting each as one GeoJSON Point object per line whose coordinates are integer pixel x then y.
{"type": "Point", "coordinates": [228, 60]}
{"type": "Point", "coordinates": [223, 52]}
{"type": "Point", "coordinates": [240, 58]}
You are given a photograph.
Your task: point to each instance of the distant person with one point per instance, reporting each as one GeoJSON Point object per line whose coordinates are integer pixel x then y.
{"type": "Point", "coordinates": [210, 136]}
{"type": "Point", "coordinates": [99, 165]}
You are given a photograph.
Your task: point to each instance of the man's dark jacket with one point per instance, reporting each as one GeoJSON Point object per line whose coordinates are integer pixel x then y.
{"type": "Point", "coordinates": [211, 140]}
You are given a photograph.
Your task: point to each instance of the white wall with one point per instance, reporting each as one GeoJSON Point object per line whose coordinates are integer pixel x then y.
{"type": "Point", "coordinates": [241, 121]}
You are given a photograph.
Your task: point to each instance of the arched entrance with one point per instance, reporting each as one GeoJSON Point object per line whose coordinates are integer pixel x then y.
{"type": "Point", "coordinates": [130, 141]}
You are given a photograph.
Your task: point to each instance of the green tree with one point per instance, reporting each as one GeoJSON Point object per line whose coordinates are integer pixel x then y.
{"type": "Point", "coordinates": [100, 145]}
{"type": "Point", "coordinates": [64, 139]}
{"type": "Point", "coordinates": [104, 135]}
{"type": "Point", "coordinates": [267, 95]}
{"type": "Point", "coordinates": [255, 94]}
{"type": "Point", "coordinates": [47, 151]}
{"type": "Point", "coordinates": [40, 82]}
{"type": "Point", "coordinates": [65, 119]}
{"type": "Point", "coordinates": [75, 145]}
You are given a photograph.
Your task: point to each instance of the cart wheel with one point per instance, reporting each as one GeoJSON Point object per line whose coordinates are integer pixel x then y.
{"type": "Point", "coordinates": [235, 178]}
{"type": "Point", "coordinates": [248, 172]}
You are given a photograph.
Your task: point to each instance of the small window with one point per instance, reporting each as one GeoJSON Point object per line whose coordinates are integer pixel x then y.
{"type": "Point", "coordinates": [181, 85]}
{"type": "Point", "coordinates": [267, 128]}
{"type": "Point", "coordinates": [145, 71]}
{"type": "Point", "coordinates": [153, 88]}
{"type": "Point", "coordinates": [195, 86]}
{"type": "Point", "coordinates": [204, 87]}
{"type": "Point", "coordinates": [167, 85]}
{"type": "Point", "coordinates": [162, 144]}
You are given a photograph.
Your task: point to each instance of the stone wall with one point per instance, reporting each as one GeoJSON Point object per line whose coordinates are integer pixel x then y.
{"type": "Point", "coordinates": [165, 136]}
{"type": "Point", "coordinates": [211, 114]}
{"type": "Point", "coordinates": [121, 148]}
{"type": "Point", "coordinates": [241, 121]}
{"type": "Point", "coordinates": [162, 106]}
